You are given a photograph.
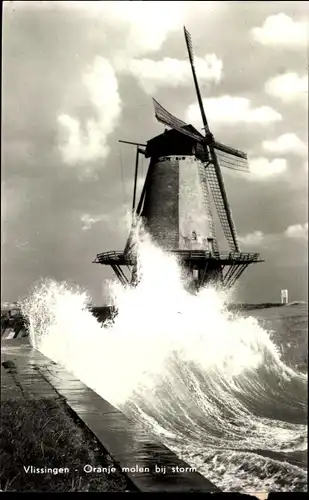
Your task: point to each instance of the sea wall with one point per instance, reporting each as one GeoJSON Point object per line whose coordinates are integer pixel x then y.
{"type": "Point", "coordinates": [249, 307]}
{"type": "Point", "coordinates": [149, 465]}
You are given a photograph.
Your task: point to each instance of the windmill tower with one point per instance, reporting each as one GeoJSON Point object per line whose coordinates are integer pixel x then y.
{"type": "Point", "coordinates": [175, 204]}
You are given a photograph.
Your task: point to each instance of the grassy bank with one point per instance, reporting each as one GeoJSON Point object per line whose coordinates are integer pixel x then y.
{"type": "Point", "coordinates": [45, 433]}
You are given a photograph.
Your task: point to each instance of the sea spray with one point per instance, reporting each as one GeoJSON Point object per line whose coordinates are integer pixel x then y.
{"type": "Point", "coordinates": [199, 377]}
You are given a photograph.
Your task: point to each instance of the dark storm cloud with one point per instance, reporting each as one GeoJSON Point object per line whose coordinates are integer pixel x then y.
{"type": "Point", "coordinates": [46, 52]}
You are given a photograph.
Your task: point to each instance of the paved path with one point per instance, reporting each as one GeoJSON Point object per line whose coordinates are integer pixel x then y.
{"type": "Point", "coordinates": [27, 373]}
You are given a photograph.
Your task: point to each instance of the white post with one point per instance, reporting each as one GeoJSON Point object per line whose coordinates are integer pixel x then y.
{"type": "Point", "coordinates": [284, 296]}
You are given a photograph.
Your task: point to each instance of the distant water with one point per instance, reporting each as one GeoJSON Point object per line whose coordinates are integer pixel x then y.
{"type": "Point", "coordinates": [288, 327]}
{"type": "Point", "coordinates": [226, 392]}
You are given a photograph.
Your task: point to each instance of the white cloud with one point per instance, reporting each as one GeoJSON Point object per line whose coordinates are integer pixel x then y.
{"type": "Point", "coordinates": [78, 146]}
{"type": "Point", "coordinates": [263, 168]}
{"type": "Point", "coordinates": [284, 144]}
{"type": "Point", "coordinates": [282, 30]}
{"type": "Point", "coordinates": [171, 72]}
{"type": "Point", "coordinates": [288, 87]}
{"type": "Point", "coordinates": [228, 109]}
{"type": "Point", "coordinates": [298, 231]}
{"type": "Point", "coordinates": [143, 26]}
{"type": "Point", "coordinates": [252, 239]}
{"type": "Point", "coordinates": [149, 22]}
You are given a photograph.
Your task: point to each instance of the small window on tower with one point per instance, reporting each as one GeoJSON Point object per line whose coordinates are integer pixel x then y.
{"type": "Point", "coordinates": [194, 237]}
{"type": "Point", "coordinates": [195, 273]}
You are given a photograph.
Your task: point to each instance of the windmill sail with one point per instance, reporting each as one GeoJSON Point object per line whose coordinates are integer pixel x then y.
{"type": "Point", "coordinates": [227, 226]}
{"type": "Point", "coordinates": [199, 98]}
{"type": "Point", "coordinates": [231, 158]}
{"type": "Point", "coordinates": [232, 162]}
{"type": "Point", "coordinates": [228, 150]}
{"type": "Point", "coordinates": [163, 116]}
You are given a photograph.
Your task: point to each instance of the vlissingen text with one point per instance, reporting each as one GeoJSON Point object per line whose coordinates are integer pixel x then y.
{"type": "Point", "coordinates": [30, 469]}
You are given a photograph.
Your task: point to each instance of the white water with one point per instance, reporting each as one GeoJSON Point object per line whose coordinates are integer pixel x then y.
{"type": "Point", "coordinates": [210, 384]}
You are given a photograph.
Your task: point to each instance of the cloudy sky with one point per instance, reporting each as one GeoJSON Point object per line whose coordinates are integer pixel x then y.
{"type": "Point", "coordinates": [78, 76]}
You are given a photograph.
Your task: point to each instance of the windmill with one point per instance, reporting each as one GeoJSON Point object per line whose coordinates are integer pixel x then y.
{"type": "Point", "coordinates": [175, 203]}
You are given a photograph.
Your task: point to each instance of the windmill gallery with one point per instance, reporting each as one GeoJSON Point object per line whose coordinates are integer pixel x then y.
{"type": "Point", "coordinates": [175, 203]}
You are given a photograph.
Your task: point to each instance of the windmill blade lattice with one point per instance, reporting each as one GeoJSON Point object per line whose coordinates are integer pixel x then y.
{"type": "Point", "coordinates": [228, 150]}
{"type": "Point", "coordinates": [231, 158]}
{"type": "Point", "coordinates": [232, 162]}
{"type": "Point", "coordinates": [163, 116]}
{"type": "Point", "coordinates": [229, 232]}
